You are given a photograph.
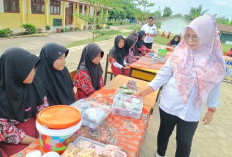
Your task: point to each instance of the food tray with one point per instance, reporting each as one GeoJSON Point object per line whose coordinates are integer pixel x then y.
{"type": "Point", "coordinates": [95, 143]}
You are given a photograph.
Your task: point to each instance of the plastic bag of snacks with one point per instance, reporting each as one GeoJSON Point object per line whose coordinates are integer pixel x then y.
{"type": "Point", "coordinates": [129, 88]}
{"type": "Point", "coordinates": [93, 113]}
{"type": "Point", "coordinates": [127, 105]}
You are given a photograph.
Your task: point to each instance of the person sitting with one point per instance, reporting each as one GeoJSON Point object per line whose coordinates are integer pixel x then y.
{"type": "Point", "coordinates": [117, 57]}
{"type": "Point", "coordinates": [129, 49]}
{"type": "Point", "coordinates": [88, 78]}
{"type": "Point", "coordinates": [55, 75]}
{"type": "Point", "coordinates": [143, 50]}
{"type": "Point", "coordinates": [229, 53]}
{"type": "Point", "coordinates": [175, 41]}
{"type": "Point", "coordinates": [22, 96]}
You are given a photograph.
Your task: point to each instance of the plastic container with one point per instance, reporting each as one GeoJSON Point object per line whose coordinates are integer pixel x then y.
{"type": "Point", "coordinates": [122, 110]}
{"type": "Point", "coordinates": [93, 113]}
{"type": "Point", "coordinates": [55, 124]}
{"type": "Point", "coordinates": [158, 59]}
{"type": "Point", "coordinates": [95, 143]}
{"type": "Point", "coordinates": [162, 52]}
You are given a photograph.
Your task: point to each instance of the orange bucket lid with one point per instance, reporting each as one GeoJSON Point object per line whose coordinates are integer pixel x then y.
{"type": "Point", "coordinates": [59, 117]}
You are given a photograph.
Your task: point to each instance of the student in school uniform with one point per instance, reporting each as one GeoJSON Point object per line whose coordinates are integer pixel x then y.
{"type": "Point", "coordinates": [88, 78]}
{"type": "Point", "coordinates": [117, 57]}
{"type": "Point", "coordinates": [54, 74]}
{"type": "Point", "coordinates": [22, 96]}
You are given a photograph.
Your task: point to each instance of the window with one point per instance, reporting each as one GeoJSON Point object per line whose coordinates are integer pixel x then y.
{"type": "Point", "coordinates": [55, 7]}
{"type": "Point", "coordinates": [80, 9]}
{"type": "Point", "coordinates": [11, 6]}
{"type": "Point", "coordinates": [37, 6]}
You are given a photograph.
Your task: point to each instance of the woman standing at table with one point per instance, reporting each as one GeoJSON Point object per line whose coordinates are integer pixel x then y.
{"type": "Point", "coordinates": [192, 76]}
{"type": "Point", "coordinates": [88, 78]}
{"type": "Point", "coordinates": [117, 57]}
{"type": "Point", "coordinates": [22, 96]}
{"type": "Point", "coordinates": [55, 75]}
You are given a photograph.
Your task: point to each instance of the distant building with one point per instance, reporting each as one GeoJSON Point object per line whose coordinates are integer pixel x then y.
{"type": "Point", "coordinates": [175, 24]}
{"type": "Point", "coordinates": [225, 33]}
{"type": "Point", "coordinates": [55, 13]}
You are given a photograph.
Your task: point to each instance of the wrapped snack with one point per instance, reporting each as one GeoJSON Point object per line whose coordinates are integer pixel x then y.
{"type": "Point", "coordinates": [109, 151]}
{"type": "Point", "coordinates": [87, 152]}
{"type": "Point", "coordinates": [132, 85]}
{"type": "Point", "coordinates": [71, 151]}
{"type": "Point", "coordinates": [96, 115]}
{"type": "Point", "coordinates": [98, 149]}
{"type": "Point", "coordinates": [83, 144]}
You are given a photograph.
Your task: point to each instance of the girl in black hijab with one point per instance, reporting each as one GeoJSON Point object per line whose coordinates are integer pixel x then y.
{"type": "Point", "coordinates": [117, 57]}
{"type": "Point", "coordinates": [175, 41]}
{"type": "Point", "coordinates": [22, 96]}
{"type": "Point", "coordinates": [55, 75]}
{"type": "Point", "coordinates": [88, 78]}
{"type": "Point", "coordinates": [142, 49]}
{"type": "Point", "coordinates": [129, 48]}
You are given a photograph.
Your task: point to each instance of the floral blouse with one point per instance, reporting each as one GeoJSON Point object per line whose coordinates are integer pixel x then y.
{"type": "Point", "coordinates": [9, 133]}
{"type": "Point", "coordinates": [83, 83]}
{"type": "Point", "coordinates": [131, 58]}
{"type": "Point", "coordinates": [144, 50]}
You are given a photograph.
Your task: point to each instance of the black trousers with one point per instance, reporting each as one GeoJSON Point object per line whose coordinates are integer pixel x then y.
{"type": "Point", "coordinates": [148, 45]}
{"type": "Point", "coordinates": [184, 134]}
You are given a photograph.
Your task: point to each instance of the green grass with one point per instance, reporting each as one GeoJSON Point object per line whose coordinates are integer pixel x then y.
{"type": "Point", "coordinates": [103, 35]}
{"type": "Point", "coordinates": [226, 47]}
{"type": "Point", "coordinates": [162, 41]}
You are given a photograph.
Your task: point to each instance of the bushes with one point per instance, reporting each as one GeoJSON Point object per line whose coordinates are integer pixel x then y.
{"type": "Point", "coordinates": [5, 32]}
{"type": "Point", "coordinates": [29, 28]}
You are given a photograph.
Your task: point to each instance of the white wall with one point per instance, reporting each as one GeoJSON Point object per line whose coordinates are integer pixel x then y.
{"type": "Point", "coordinates": [1, 6]}
{"type": "Point", "coordinates": [174, 25]}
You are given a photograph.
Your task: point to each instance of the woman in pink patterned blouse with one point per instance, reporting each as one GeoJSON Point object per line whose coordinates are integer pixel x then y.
{"type": "Point", "coordinates": [88, 78]}
{"type": "Point", "coordinates": [22, 96]}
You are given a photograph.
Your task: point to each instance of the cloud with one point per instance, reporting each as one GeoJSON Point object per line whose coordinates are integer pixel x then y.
{"type": "Point", "coordinates": [223, 3]}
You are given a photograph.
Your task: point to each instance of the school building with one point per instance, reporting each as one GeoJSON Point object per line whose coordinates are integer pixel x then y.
{"type": "Point", "coordinates": [41, 13]}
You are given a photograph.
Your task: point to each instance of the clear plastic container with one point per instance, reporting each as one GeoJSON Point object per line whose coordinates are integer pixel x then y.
{"type": "Point", "coordinates": [98, 144]}
{"type": "Point", "coordinates": [92, 113]}
{"type": "Point", "coordinates": [127, 105]}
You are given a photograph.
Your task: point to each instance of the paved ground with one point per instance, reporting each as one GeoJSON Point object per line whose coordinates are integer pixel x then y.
{"type": "Point", "coordinates": [214, 140]}
{"type": "Point", "coordinates": [34, 44]}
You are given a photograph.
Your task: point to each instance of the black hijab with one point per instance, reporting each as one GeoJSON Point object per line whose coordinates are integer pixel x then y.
{"type": "Point", "coordinates": [118, 53]}
{"type": "Point", "coordinates": [134, 35]}
{"type": "Point", "coordinates": [90, 52]}
{"type": "Point", "coordinates": [19, 101]}
{"type": "Point", "coordinates": [140, 42]}
{"type": "Point", "coordinates": [58, 84]}
{"type": "Point", "coordinates": [173, 42]}
{"type": "Point", "coordinates": [129, 42]}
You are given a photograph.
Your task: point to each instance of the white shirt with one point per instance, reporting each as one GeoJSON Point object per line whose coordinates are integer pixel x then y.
{"type": "Point", "coordinates": [151, 30]}
{"type": "Point", "coordinates": [117, 65]}
{"type": "Point", "coordinates": [171, 101]}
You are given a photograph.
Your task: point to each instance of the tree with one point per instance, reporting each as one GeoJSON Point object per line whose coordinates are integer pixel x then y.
{"type": "Point", "coordinates": [224, 20]}
{"type": "Point", "coordinates": [157, 14]}
{"type": "Point", "coordinates": [167, 12]}
{"type": "Point", "coordinates": [97, 19]}
{"type": "Point", "coordinates": [195, 12]}
{"type": "Point", "coordinates": [143, 13]}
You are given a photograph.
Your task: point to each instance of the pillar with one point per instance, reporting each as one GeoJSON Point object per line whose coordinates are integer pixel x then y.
{"type": "Point", "coordinates": [74, 14]}
{"type": "Point", "coordinates": [46, 5]}
{"type": "Point", "coordinates": [63, 13]}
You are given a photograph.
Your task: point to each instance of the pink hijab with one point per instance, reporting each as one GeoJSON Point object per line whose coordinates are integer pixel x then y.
{"type": "Point", "coordinates": [204, 67]}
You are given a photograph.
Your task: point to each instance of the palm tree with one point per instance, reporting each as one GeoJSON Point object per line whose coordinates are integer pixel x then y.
{"type": "Point", "coordinates": [195, 12]}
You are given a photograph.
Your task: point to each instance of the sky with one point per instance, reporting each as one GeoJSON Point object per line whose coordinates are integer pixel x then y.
{"type": "Point", "coordinates": [220, 7]}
